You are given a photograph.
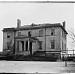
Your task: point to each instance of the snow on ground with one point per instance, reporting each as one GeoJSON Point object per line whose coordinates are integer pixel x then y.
{"type": "Point", "coordinates": [36, 67]}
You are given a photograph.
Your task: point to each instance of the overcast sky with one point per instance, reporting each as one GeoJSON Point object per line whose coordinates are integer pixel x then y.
{"type": "Point", "coordinates": [36, 13]}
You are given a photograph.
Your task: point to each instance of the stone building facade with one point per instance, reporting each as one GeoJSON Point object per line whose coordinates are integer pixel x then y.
{"type": "Point", "coordinates": [28, 39]}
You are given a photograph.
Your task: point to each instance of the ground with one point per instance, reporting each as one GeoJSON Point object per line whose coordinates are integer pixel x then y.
{"type": "Point", "coordinates": [36, 67]}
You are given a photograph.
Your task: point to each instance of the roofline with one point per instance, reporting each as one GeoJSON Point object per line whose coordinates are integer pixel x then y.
{"type": "Point", "coordinates": [34, 27]}
{"type": "Point", "coordinates": [8, 29]}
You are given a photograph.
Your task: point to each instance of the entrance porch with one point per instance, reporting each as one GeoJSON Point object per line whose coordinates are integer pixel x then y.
{"type": "Point", "coordinates": [26, 45]}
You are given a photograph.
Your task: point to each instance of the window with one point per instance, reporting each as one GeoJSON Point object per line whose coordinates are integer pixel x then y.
{"type": "Point", "coordinates": [29, 33]}
{"type": "Point", "coordinates": [8, 36]}
{"type": "Point", "coordinates": [65, 46]}
{"type": "Point", "coordinates": [40, 44]}
{"type": "Point", "coordinates": [62, 45]}
{"type": "Point", "coordinates": [52, 31]}
{"type": "Point", "coordinates": [53, 44]}
{"type": "Point", "coordinates": [19, 33]}
{"type": "Point", "coordinates": [41, 33]}
{"type": "Point", "coordinates": [8, 45]}
{"type": "Point", "coordinates": [63, 34]}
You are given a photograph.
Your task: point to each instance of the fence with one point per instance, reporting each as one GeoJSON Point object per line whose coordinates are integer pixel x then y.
{"type": "Point", "coordinates": [68, 52]}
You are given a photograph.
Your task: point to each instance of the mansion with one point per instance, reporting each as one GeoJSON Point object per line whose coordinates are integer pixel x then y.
{"type": "Point", "coordinates": [28, 39]}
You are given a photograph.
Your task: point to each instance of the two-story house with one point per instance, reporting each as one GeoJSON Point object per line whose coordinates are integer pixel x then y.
{"type": "Point", "coordinates": [27, 39]}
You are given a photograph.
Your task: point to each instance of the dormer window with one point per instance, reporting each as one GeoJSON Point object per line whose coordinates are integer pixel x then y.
{"type": "Point", "coordinates": [52, 31]}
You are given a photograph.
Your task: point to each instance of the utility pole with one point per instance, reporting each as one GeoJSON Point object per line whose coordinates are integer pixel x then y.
{"type": "Point", "coordinates": [66, 59]}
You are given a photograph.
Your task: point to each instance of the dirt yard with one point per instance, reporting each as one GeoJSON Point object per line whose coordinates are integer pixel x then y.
{"type": "Point", "coordinates": [36, 67]}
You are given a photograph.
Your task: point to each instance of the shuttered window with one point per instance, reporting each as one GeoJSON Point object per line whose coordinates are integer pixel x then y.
{"type": "Point", "coordinates": [53, 44]}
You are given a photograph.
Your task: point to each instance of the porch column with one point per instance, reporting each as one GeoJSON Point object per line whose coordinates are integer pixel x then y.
{"type": "Point", "coordinates": [28, 45]}
{"type": "Point", "coordinates": [20, 46]}
{"type": "Point", "coordinates": [24, 45]}
{"type": "Point", "coordinates": [17, 45]}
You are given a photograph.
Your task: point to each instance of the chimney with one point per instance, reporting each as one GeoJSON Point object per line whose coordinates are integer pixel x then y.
{"type": "Point", "coordinates": [64, 24]}
{"type": "Point", "coordinates": [32, 24]}
{"type": "Point", "coordinates": [18, 23]}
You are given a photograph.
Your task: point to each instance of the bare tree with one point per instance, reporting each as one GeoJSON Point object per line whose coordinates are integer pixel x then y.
{"type": "Point", "coordinates": [72, 36]}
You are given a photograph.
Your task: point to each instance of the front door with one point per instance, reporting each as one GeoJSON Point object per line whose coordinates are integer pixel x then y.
{"type": "Point", "coordinates": [30, 48]}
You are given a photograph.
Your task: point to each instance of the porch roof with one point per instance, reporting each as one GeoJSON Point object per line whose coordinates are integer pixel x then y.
{"type": "Point", "coordinates": [26, 37]}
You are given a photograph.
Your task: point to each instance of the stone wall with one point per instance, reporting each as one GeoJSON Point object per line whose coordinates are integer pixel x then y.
{"type": "Point", "coordinates": [35, 33]}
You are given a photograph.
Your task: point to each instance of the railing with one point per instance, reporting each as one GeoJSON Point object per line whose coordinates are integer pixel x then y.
{"type": "Point", "coordinates": [68, 52]}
